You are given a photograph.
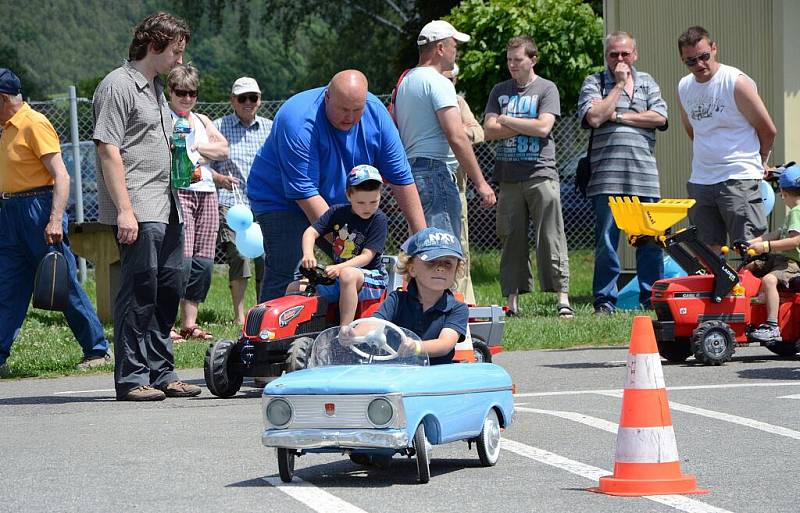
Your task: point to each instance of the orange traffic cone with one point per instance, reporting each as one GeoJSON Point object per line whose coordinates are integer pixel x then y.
{"type": "Point", "coordinates": [646, 460]}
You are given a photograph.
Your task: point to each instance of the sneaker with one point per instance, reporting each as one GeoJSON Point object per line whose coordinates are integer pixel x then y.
{"type": "Point", "coordinates": [180, 389]}
{"type": "Point", "coordinates": [766, 333]}
{"type": "Point", "coordinates": [90, 362]}
{"type": "Point", "coordinates": [143, 393]}
{"type": "Point", "coordinates": [604, 309]}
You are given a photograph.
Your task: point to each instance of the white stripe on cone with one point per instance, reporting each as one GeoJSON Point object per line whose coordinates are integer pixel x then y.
{"type": "Point", "coordinates": [644, 372]}
{"type": "Point", "coordinates": [646, 445]}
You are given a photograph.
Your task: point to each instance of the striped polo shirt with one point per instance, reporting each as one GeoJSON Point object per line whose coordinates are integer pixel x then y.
{"type": "Point", "coordinates": [623, 157]}
{"type": "Point", "coordinates": [243, 143]}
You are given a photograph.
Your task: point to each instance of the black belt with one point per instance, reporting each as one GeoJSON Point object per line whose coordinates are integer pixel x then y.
{"type": "Point", "coordinates": [30, 193]}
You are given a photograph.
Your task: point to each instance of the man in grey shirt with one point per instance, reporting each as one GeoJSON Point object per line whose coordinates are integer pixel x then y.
{"type": "Point", "coordinates": [132, 127]}
{"type": "Point", "coordinates": [520, 115]}
{"type": "Point", "coordinates": [624, 107]}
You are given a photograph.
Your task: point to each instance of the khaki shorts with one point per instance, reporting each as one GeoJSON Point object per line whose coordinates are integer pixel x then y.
{"type": "Point", "coordinates": [728, 210]}
{"type": "Point", "coordinates": [783, 268]}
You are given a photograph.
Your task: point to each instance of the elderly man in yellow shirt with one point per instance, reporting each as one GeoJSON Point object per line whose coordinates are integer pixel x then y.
{"type": "Point", "coordinates": [34, 186]}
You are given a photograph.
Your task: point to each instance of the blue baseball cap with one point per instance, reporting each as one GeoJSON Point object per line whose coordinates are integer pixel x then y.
{"type": "Point", "coordinates": [790, 178]}
{"type": "Point", "coordinates": [9, 82]}
{"type": "Point", "coordinates": [362, 173]}
{"type": "Point", "coordinates": [432, 243]}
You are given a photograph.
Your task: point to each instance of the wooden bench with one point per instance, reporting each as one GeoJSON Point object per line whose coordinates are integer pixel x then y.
{"type": "Point", "coordinates": [96, 242]}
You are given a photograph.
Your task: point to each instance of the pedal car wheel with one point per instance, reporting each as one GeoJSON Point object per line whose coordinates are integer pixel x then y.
{"type": "Point", "coordinates": [784, 348]}
{"type": "Point", "coordinates": [423, 456]}
{"type": "Point", "coordinates": [298, 354]}
{"type": "Point", "coordinates": [489, 440]}
{"type": "Point", "coordinates": [675, 351]}
{"type": "Point", "coordinates": [713, 342]}
{"type": "Point", "coordinates": [286, 464]}
{"type": "Point", "coordinates": [221, 379]}
{"type": "Point", "coordinates": [481, 350]}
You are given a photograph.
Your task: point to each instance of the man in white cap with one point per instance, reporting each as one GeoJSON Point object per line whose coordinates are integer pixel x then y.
{"type": "Point", "coordinates": [245, 131]}
{"type": "Point", "coordinates": [426, 109]}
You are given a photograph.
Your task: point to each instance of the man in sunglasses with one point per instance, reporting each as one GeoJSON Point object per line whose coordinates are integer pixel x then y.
{"type": "Point", "coordinates": [624, 108]}
{"type": "Point", "coordinates": [732, 135]}
{"type": "Point", "coordinates": [317, 137]}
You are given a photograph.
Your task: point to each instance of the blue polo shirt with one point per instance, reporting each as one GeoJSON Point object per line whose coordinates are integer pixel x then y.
{"type": "Point", "coordinates": [305, 155]}
{"type": "Point", "coordinates": [403, 308]}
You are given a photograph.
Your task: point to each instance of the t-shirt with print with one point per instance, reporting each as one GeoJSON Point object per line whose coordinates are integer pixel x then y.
{"type": "Point", "coordinates": [523, 157]}
{"type": "Point", "coordinates": [351, 234]}
{"type": "Point", "coordinates": [791, 224]}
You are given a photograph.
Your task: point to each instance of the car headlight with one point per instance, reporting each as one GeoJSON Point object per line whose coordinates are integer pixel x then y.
{"type": "Point", "coordinates": [380, 412]}
{"type": "Point", "coordinates": [279, 412]}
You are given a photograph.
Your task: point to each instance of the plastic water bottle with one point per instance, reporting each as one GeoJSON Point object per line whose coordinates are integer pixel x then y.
{"type": "Point", "coordinates": [182, 166]}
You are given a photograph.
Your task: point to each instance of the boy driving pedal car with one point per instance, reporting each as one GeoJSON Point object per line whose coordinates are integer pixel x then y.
{"type": "Point", "coordinates": [783, 249]}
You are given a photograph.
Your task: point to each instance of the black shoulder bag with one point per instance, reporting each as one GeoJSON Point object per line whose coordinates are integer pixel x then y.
{"type": "Point", "coordinates": [51, 284]}
{"type": "Point", "coordinates": [583, 173]}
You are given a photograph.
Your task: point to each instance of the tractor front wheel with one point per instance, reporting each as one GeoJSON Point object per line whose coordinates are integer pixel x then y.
{"type": "Point", "coordinates": [713, 342]}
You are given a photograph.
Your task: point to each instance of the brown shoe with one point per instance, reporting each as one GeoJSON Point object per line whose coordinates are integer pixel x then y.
{"type": "Point", "coordinates": [181, 389]}
{"type": "Point", "coordinates": [143, 393]}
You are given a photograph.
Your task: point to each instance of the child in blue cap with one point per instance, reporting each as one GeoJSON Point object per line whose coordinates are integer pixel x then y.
{"type": "Point", "coordinates": [431, 261]}
{"type": "Point", "coordinates": [359, 231]}
{"type": "Point", "coordinates": [781, 265]}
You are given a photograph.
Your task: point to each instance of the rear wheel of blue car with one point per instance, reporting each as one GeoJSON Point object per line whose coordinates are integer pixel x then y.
{"type": "Point", "coordinates": [221, 379]}
{"type": "Point", "coordinates": [286, 464]}
{"type": "Point", "coordinates": [489, 440]}
{"type": "Point", "coordinates": [421, 448]}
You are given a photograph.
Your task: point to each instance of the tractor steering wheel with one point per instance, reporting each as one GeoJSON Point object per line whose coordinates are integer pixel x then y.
{"type": "Point", "coordinates": [316, 275]}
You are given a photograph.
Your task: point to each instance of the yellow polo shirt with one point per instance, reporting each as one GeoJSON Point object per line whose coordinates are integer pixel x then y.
{"type": "Point", "coordinates": [27, 137]}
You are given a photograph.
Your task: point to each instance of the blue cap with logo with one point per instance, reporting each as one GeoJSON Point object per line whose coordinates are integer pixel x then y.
{"type": "Point", "coordinates": [432, 243]}
{"type": "Point", "coordinates": [362, 173]}
{"type": "Point", "coordinates": [9, 82]}
{"type": "Point", "coordinates": [790, 178]}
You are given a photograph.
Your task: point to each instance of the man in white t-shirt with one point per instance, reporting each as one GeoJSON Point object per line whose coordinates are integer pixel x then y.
{"type": "Point", "coordinates": [732, 135]}
{"type": "Point", "coordinates": [426, 109]}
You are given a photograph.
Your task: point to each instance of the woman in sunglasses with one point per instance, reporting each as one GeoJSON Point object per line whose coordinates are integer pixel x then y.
{"type": "Point", "coordinates": [198, 201]}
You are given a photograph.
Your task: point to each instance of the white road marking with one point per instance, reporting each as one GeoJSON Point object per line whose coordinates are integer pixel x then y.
{"type": "Point", "coordinates": [727, 417]}
{"type": "Point", "coordinates": [678, 502]}
{"type": "Point", "coordinates": [594, 422]}
{"type": "Point", "coordinates": [313, 497]}
{"type": "Point", "coordinates": [793, 396]}
{"type": "Point", "coordinates": [84, 391]}
{"type": "Point", "coordinates": [688, 387]}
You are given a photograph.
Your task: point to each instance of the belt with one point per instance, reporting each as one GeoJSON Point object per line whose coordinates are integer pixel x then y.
{"type": "Point", "coordinates": [30, 193]}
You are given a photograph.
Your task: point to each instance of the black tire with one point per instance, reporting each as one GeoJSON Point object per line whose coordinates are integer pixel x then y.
{"type": "Point", "coordinates": [481, 351]}
{"type": "Point", "coordinates": [297, 358]}
{"type": "Point", "coordinates": [423, 458]}
{"type": "Point", "coordinates": [489, 440]}
{"type": "Point", "coordinates": [675, 351]}
{"type": "Point", "coordinates": [787, 349]}
{"type": "Point", "coordinates": [713, 342]}
{"type": "Point", "coordinates": [221, 379]}
{"type": "Point", "coordinates": [285, 464]}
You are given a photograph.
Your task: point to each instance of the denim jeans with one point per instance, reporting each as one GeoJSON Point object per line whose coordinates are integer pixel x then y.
{"type": "Point", "coordinates": [22, 246]}
{"type": "Point", "coordinates": [283, 232]}
{"type": "Point", "coordinates": [649, 258]}
{"type": "Point", "coordinates": [438, 193]}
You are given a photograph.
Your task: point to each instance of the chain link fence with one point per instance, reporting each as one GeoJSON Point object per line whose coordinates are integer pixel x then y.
{"type": "Point", "coordinates": [570, 146]}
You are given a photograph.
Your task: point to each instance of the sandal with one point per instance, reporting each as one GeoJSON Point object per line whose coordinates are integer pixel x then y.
{"type": "Point", "coordinates": [196, 332]}
{"type": "Point", "coordinates": [565, 311]}
{"type": "Point", "coordinates": [175, 336]}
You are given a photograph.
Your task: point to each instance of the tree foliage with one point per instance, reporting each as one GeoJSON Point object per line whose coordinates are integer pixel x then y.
{"type": "Point", "coordinates": [567, 32]}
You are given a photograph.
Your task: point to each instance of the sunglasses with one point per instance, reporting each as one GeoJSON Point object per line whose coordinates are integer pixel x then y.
{"type": "Point", "coordinates": [691, 61]}
{"type": "Point", "coordinates": [180, 93]}
{"type": "Point", "coordinates": [617, 55]}
{"type": "Point", "coordinates": [245, 97]}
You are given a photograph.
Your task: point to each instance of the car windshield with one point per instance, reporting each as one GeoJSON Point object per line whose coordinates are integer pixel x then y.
{"type": "Point", "coordinates": [367, 342]}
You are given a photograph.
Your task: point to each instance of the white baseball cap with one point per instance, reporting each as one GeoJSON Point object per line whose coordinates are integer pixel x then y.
{"type": "Point", "coordinates": [245, 85]}
{"type": "Point", "coordinates": [438, 30]}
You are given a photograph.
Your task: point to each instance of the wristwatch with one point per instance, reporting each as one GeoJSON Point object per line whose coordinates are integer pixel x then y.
{"type": "Point", "coordinates": [619, 117]}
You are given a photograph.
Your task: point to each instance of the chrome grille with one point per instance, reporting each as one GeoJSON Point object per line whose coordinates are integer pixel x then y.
{"type": "Point", "coordinates": [351, 411]}
{"type": "Point", "coordinates": [254, 317]}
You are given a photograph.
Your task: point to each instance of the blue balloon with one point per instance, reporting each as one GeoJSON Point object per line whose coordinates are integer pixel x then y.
{"type": "Point", "coordinates": [768, 197]}
{"type": "Point", "coordinates": [239, 218]}
{"type": "Point", "coordinates": [250, 242]}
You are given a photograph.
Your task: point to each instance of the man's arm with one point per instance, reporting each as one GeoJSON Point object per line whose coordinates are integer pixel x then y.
{"type": "Point", "coordinates": [53, 233]}
{"type": "Point", "coordinates": [647, 119]}
{"type": "Point", "coordinates": [114, 177]}
{"type": "Point", "coordinates": [472, 128]}
{"type": "Point", "coordinates": [407, 198]}
{"type": "Point", "coordinates": [313, 207]}
{"type": "Point", "coordinates": [450, 121]}
{"type": "Point", "coordinates": [536, 127]}
{"type": "Point", "coordinates": [494, 130]}
{"type": "Point", "coordinates": [603, 108]}
{"type": "Point", "coordinates": [752, 108]}
{"type": "Point", "coordinates": [685, 122]}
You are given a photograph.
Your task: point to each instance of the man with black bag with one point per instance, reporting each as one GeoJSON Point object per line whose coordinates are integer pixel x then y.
{"type": "Point", "coordinates": [34, 186]}
{"type": "Point", "coordinates": [623, 107]}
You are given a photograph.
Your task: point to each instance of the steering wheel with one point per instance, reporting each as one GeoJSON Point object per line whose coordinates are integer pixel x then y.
{"type": "Point", "coordinates": [375, 338]}
{"type": "Point", "coordinates": [316, 275]}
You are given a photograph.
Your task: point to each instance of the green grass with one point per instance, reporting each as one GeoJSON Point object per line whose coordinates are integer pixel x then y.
{"type": "Point", "coordinates": [46, 347]}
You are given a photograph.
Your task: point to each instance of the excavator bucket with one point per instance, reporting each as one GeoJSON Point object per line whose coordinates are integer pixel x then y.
{"type": "Point", "coordinates": [636, 218]}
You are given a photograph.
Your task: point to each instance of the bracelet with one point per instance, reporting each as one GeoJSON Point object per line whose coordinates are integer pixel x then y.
{"type": "Point", "coordinates": [766, 246]}
{"type": "Point", "coordinates": [418, 348]}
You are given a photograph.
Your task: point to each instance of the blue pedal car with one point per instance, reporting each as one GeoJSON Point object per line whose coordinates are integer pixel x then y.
{"type": "Point", "coordinates": [369, 398]}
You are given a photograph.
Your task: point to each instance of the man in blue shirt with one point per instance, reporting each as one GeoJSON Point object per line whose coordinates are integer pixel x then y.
{"type": "Point", "coordinates": [317, 137]}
